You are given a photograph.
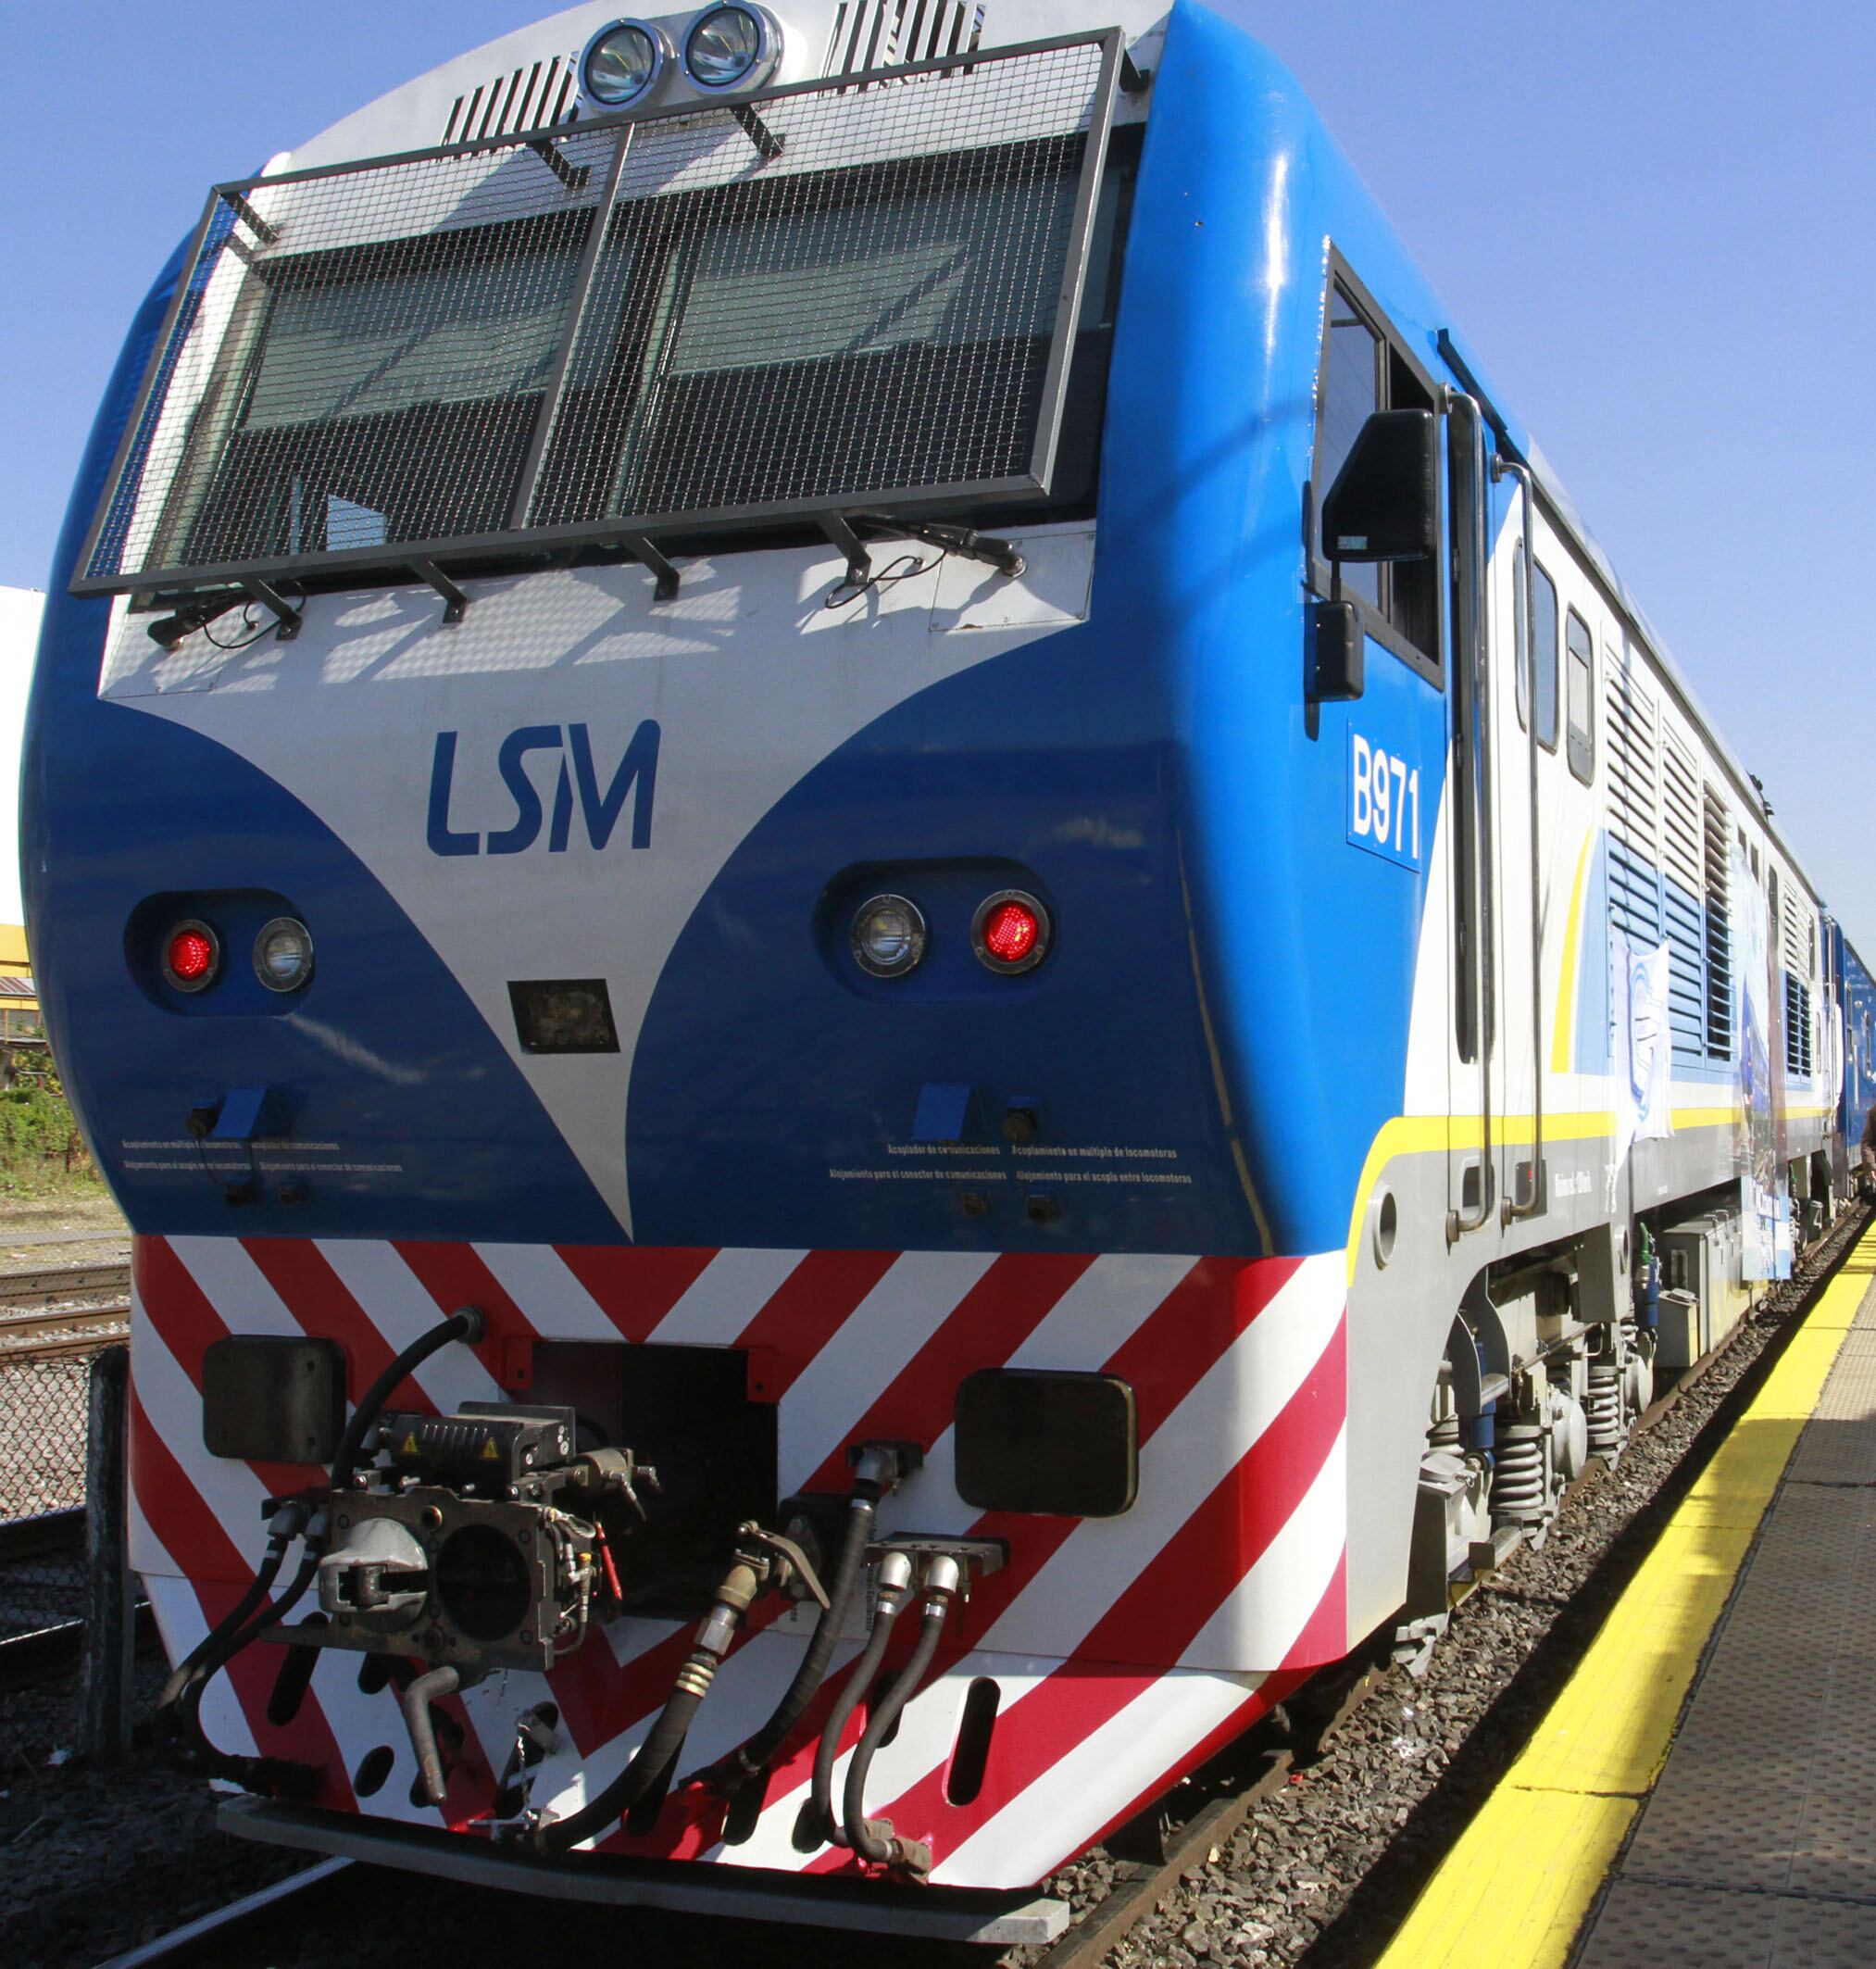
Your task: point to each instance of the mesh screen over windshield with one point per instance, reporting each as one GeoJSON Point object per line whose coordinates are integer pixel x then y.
{"type": "Point", "coordinates": [839, 295]}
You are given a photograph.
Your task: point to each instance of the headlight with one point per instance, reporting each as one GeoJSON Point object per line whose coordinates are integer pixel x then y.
{"type": "Point", "coordinates": [624, 63]}
{"type": "Point", "coordinates": [192, 956]}
{"type": "Point", "coordinates": [283, 954]}
{"type": "Point", "coordinates": [732, 47]}
{"type": "Point", "coordinates": [1010, 931]}
{"type": "Point", "coordinates": [888, 936]}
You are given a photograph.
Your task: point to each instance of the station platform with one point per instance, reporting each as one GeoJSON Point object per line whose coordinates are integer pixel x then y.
{"type": "Point", "coordinates": [1703, 1788]}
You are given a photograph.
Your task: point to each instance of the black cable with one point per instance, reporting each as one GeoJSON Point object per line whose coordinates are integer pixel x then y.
{"type": "Point", "coordinates": [846, 591]}
{"type": "Point", "coordinates": [872, 1844]}
{"type": "Point", "coordinates": [1002, 554]}
{"type": "Point", "coordinates": [466, 1323]}
{"type": "Point", "coordinates": [229, 1622]}
{"type": "Point", "coordinates": [751, 1759]}
{"type": "Point", "coordinates": [180, 1737]}
{"type": "Point", "coordinates": [255, 631]}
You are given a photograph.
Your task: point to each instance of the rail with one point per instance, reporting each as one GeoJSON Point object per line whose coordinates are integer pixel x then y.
{"type": "Point", "coordinates": [77, 1330]}
{"type": "Point", "coordinates": [204, 1938]}
{"type": "Point", "coordinates": [63, 1311]}
{"type": "Point", "coordinates": [56, 1284]}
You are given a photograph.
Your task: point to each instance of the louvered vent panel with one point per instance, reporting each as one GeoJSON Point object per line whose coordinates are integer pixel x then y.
{"type": "Point", "coordinates": [1634, 808]}
{"type": "Point", "coordinates": [1797, 1027]}
{"type": "Point", "coordinates": [1718, 908]}
{"type": "Point", "coordinates": [882, 34]}
{"type": "Point", "coordinates": [1796, 915]}
{"type": "Point", "coordinates": [535, 96]}
{"type": "Point", "coordinates": [1683, 908]}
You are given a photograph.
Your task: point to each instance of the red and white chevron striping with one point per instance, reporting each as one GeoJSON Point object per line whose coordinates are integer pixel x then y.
{"type": "Point", "coordinates": [1125, 1649]}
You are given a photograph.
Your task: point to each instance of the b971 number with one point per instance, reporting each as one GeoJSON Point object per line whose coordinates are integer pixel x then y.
{"type": "Point", "coordinates": [1384, 802]}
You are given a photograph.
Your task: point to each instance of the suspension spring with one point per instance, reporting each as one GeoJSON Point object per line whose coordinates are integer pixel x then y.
{"type": "Point", "coordinates": [1603, 1405]}
{"type": "Point", "coordinates": [1518, 1491]}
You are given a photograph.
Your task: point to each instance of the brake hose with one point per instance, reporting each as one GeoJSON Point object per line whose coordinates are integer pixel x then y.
{"type": "Point", "coordinates": [746, 1577]}
{"type": "Point", "coordinates": [896, 1579]}
{"type": "Point", "coordinates": [278, 1538]}
{"type": "Point", "coordinates": [751, 1759]}
{"type": "Point", "coordinates": [873, 1839]}
{"type": "Point", "coordinates": [179, 1717]}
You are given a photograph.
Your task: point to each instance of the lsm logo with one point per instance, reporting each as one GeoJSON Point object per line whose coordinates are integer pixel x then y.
{"type": "Point", "coordinates": [634, 778]}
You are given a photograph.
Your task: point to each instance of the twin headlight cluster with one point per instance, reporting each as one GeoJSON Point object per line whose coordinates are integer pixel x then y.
{"type": "Point", "coordinates": [282, 954]}
{"type": "Point", "coordinates": [725, 51]}
{"type": "Point", "coordinates": [1010, 933]}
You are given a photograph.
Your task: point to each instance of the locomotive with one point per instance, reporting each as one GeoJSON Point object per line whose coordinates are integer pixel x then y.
{"type": "Point", "coordinates": [893, 949]}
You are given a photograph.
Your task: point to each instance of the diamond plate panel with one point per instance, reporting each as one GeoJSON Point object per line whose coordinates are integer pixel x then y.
{"type": "Point", "coordinates": [1835, 1849]}
{"type": "Point", "coordinates": [1755, 1845]}
{"type": "Point", "coordinates": [1643, 1923]}
{"type": "Point", "coordinates": [1750, 1785]}
{"type": "Point", "coordinates": [1840, 1444]}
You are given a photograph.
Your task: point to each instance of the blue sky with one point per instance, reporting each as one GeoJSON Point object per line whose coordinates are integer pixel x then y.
{"type": "Point", "coordinates": [1655, 224]}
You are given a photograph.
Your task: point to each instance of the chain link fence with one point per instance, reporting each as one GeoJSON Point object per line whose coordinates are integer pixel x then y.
{"type": "Point", "coordinates": [44, 1408]}
{"type": "Point", "coordinates": [64, 1298]}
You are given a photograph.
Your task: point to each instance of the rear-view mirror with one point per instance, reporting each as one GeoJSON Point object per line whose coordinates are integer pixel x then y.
{"type": "Point", "coordinates": [1384, 503]}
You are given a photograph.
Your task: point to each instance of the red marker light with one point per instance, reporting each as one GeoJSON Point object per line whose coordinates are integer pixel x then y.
{"type": "Point", "coordinates": [1011, 932]}
{"type": "Point", "coordinates": [192, 956]}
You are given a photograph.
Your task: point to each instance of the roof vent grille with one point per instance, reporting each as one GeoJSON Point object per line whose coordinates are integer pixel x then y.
{"type": "Point", "coordinates": [531, 98]}
{"type": "Point", "coordinates": [882, 34]}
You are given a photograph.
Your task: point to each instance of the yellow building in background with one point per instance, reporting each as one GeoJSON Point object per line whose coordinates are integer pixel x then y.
{"type": "Point", "coordinates": [20, 1017]}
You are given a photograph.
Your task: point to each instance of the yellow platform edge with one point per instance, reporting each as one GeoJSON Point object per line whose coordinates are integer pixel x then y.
{"type": "Point", "coordinates": [1513, 1890]}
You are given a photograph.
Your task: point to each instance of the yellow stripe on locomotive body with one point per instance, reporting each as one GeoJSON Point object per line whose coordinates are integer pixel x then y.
{"type": "Point", "coordinates": [844, 840]}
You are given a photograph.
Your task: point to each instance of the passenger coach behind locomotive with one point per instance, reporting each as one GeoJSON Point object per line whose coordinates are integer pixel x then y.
{"type": "Point", "coordinates": [759, 929]}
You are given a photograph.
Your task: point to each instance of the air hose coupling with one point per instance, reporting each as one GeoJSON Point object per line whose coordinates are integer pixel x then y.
{"type": "Point", "coordinates": [894, 1578]}
{"type": "Point", "coordinates": [943, 1577]}
{"type": "Point", "coordinates": [754, 1567]}
{"type": "Point", "coordinates": [880, 1466]}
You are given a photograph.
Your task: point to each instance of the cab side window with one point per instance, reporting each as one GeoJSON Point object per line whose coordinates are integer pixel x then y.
{"type": "Point", "coordinates": [1351, 393]}
{"type": "Point", "coordinates": [1544, 607]}
{"type": "Point", "coordinates": [1364, 372]}
{"type": "Point", "coordinates": [1581, 706]}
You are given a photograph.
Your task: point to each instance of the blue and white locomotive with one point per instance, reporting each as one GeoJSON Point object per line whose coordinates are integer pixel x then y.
{"type": "Point", "coordinates": [821, 816]}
